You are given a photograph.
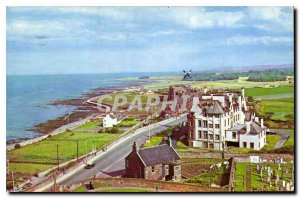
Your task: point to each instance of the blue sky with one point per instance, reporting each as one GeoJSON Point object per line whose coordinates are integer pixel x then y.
{"type": "Point", "coordinates": [56, 40]}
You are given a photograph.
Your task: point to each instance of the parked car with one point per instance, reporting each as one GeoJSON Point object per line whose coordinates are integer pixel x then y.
{"type": "Point", "coordinates": [89, 166]}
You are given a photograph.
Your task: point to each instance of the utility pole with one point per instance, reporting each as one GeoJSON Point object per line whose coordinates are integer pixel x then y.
{"type": "Point", "coordinates": [57, 157]}
{"type": "Point", "coordinates": [223, 151]}
{"type": "Point", "coordinates": [12, 175]}
{"type": "Point", "coordinates": [77, 149]}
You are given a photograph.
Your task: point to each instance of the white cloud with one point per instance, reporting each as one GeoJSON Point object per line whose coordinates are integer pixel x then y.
{"type": "Point", "coordinates": [201, 18]}
{"type": "Point", "coordinates": [259, 40]}
{"type": "Point", "coordinates": [271, 18]}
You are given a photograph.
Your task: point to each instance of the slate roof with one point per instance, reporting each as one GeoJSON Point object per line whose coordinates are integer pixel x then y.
{"type": "Point", "coordinates": [112, 116]}
{"type": "Point", "coordinates": [255, 128]}
{"type": "Point", "coordinates": [161, 154]}
{"type": "Point", "coordinates": [212, 106]}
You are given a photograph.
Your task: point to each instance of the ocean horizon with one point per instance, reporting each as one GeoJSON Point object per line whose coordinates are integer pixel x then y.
{"type": "Point", "coordinates": [28, 96]}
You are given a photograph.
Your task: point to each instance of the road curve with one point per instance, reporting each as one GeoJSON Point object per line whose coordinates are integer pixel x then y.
{"type": "Point", "coordinates": [112, 163]}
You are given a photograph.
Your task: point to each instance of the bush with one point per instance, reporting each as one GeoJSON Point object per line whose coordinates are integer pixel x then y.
{"type": "Point", "coordinates": [49, 136]}
{"type": "Point", "coordinates": [17, 146]}
{"type": "Point", "coordinates": [68, 130]}
{"type": "Point", "coordinates": [114, 130]}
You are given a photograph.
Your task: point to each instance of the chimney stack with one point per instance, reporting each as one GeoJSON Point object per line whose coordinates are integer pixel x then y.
{"type": "Point", "coordinates": [135, 147]}
{"type": "Point", "coordinates": [248, 127]}
{"type": "Point", "coordinates": [262, 123]}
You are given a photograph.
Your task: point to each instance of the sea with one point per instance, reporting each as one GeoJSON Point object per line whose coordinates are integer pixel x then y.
{"type": "Point", "coordinates": [28, 97]}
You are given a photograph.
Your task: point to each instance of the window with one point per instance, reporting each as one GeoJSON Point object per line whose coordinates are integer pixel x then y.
{"type": "Point", "coordinates": [211, 125]}
{"type": "Point", "coordinates": [199, 123]}
{"type": "Point", "coordinates": [217, 115]}
{"type": "Point", "coordinates": [205, 134]}
{"type": "Point", "coordinates": [244, 144]}
{"type": "Point", "coordinates": [153, 170]}
{"type": "Point", "coordinates": [217, 137]}
{"type": "Point", "coordinates": [205, 123]}
{"type": "Point", "coordinates": [233, 135]}
{"type": "Point", "coordinates": [127, 163]}
{"type": "Point", "coordinates": [217, 126]}
{"type": "Point", "coordinates": [251, 145]}
{"type": "Point", "coordinates": [199, 134]}
{"type": "Point", "coordinates": [211, 137]}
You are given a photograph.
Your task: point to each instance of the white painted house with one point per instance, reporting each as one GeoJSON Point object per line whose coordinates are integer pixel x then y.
{"type": "Point", "coordinates": [110, 120]}
{"type": "Point", "coordinates": [221, 119]}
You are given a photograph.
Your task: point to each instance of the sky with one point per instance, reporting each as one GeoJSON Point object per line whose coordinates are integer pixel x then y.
{"type": "Point", "coordinates": [71, 40]}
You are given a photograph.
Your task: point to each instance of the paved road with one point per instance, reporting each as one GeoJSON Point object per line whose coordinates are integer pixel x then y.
{"type": "Point", "coordinates": [284, 134]}
{"type": "Point", "coordinates": [112, 162]}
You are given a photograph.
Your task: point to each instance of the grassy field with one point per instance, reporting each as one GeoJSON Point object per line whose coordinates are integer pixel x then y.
{"type": "Point", "coordinates": [240, 175]}
{"type": "Point", "coordinates": [290, 141]}
{"type": "Point", "coordinates": [41, 155]}
{"type": "Point", "coordinates": [127, 123]}
{"type": "Point", "coordinates": [271, 142]}
{"type": "Point", "coordinates": [153, 141]}
{"type": "Point", "coordinates": [257, 91]}
{"type": "Point", "coordinates": [279, 108]}
{"type": "Point", "coordinates": [28, 168]}
{"type": "Point", "coordinates": [234, 84]}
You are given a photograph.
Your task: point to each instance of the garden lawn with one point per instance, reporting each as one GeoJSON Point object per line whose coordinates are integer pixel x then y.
{"type": "Point", "coordinates": [271, 142]}
{"type": "Point", "coordinates": [155, 140]}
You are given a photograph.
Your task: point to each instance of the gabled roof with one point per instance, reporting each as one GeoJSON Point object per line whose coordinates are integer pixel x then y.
{"type": "Point", "coordinates": [255, 128]}
{"type": "Point", "coordinates": [112, 116]}
{"type": "Point", "coordinates": [161, 154]}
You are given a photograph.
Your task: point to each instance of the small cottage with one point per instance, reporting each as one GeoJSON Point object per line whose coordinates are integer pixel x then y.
{"type": "Point", "coordinates": [110, 120]}
{"type": "Point", "coordinates": [160, 162]}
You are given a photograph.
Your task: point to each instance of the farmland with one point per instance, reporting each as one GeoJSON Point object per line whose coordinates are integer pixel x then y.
{"type": "Point", "coordinates": [66, 143]}
{"type": "Point", "coordinates": [258, 91]}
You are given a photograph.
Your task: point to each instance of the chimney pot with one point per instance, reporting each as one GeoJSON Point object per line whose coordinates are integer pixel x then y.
{"type": "Point", "coordinates": [262, 123]}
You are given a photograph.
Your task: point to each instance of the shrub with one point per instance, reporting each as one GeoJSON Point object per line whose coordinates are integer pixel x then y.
{"type": "Point", "coordinates": [68, 130]}
{"type": "Point", "coordinates": [17, 146]}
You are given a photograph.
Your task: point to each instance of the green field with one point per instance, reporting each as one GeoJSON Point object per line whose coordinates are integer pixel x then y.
{"type": "Point", "coordinates": [127, 123]}
{"type": "Point", "coordinates": [279, 108]}
{"type": "Point", "coordinates": [234, 84]}
{"type": "Point", "coordinates": [290, 141]}
{"type": "Point", "coordinates": [28, 168]}
{"type": "Point", "coordinates": [153, 141]}
{"type": "Point", "coordinates": [271, 142]}
{"type": "Point", "coordinates": [240, 177]}
{"type": "Point", "coordinates": [257, 91]}
{"type": "Point", "coordinates": [41, 155]}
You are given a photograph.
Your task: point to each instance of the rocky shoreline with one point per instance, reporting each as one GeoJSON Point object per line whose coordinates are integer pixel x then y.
{"type": "Point", "coordinates": [81, 110]}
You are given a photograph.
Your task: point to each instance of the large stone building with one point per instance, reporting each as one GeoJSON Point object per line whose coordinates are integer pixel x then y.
{"type": "Point", "coordinates": [221, 119]}
{"type": "Point", "coordinates": [156, 163]}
